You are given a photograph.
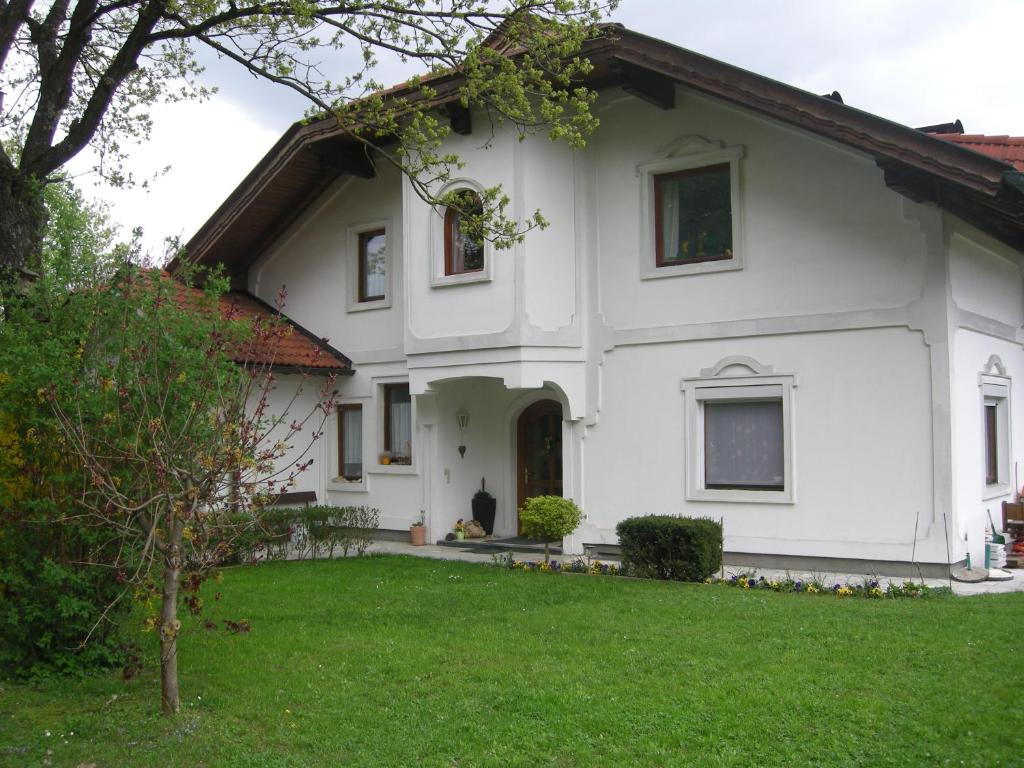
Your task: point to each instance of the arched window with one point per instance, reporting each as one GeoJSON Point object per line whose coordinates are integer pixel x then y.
{"type": "Point", "coordinates": [462, 252]}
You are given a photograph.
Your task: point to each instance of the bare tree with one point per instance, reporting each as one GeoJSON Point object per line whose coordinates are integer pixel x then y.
{"type": "Point", "coordinates": [87, 71]}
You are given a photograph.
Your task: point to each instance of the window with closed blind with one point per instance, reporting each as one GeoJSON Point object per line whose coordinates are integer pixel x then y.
{"type": "Point", "coordinates": [739, 437]}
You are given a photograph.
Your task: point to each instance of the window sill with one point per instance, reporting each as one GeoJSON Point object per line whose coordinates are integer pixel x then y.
{"type": "Point", "coordinates": [338, 484]}
{"type": "Point", "coordinates": [393, 469]}
{"type": "Point", "coordinates": [364, 306]}
{"type": "Point", "coordinates": [696, 268]}
{"type": "Point", "coordinates": [466, 278]}
{"type": "Point", "coordinates": [995, 491]}
{"type": "Point", "coordinates": [737, 496]}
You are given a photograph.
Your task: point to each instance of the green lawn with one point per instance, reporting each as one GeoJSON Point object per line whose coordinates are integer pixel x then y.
{"type": "Point", "coordinates": [401, 661]}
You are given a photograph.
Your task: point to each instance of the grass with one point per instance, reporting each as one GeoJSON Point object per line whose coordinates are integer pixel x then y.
{"type": "Point", "coordinates": [400, 661]}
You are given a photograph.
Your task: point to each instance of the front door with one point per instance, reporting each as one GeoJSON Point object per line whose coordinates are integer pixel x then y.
{"type": "Point", "coordinates": [539, 464]}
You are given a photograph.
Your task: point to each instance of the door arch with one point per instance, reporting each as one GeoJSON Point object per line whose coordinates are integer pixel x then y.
{"type": "Point", "coordinates": [538, 452]}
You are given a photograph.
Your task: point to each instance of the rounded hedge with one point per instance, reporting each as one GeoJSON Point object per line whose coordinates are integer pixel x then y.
{"type": "Point", "coordinates": [669, 547]}
{"type": "Point", "coordinates": [549, 517]}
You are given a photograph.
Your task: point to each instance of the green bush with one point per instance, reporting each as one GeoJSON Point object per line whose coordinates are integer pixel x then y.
{"type": "Point", "coordinates": [549, 518]}
{"type": "Point", "coordinates": [669, 547]}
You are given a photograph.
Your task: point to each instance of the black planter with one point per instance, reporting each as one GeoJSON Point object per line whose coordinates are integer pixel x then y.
{"type": "Point", "coordinates": [483, 512]}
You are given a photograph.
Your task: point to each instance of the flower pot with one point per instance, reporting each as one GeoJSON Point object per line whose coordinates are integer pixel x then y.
{"type": "Point", "coordinates": [483, 512]}
{"type": "Point", "coordinates": [418, 534]}
{"type": "Point", "coordinates": [460, 535]}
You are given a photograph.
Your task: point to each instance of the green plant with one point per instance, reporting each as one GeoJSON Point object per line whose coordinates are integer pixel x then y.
{"type": "Point", "coordinates": [549, 518]}
{"type": "Point", "coordinates": [669, 547]}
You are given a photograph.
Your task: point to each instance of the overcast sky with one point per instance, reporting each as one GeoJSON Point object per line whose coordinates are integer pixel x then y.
{"type": "Point", "coordinates": [917, 62]}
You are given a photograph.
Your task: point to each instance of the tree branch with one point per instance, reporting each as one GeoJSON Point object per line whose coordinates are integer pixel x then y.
{"type": "Point", "coordinates": [121, 66]}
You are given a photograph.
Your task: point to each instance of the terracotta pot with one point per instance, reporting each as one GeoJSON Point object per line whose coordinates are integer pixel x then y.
{"type": "Point", "coordinates": [418, 534]}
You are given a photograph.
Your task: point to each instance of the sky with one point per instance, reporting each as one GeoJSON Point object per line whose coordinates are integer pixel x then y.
{"type": "Point", "coordinates": [916, 62]}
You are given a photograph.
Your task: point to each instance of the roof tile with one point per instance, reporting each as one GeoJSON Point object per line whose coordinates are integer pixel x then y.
{"type": "Point", "coordinates": [1009, 149]}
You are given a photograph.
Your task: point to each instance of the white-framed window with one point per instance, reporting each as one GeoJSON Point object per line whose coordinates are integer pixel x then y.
{"type": "Point", "coordinates": [691, 210]}
{"type": "Point", "coordinates": [456, 257]}
{"type": "Point", "coordinates": [995, 430]}
{"type": "Point", "coordinates": [739, 434]}
{"type": "Point", "coordinates": [370, 262]}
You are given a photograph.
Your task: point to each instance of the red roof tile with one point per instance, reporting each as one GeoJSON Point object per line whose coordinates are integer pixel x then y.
{"type": "Point", "coordinates": [295, 348]}
{"type": "Point", "coordinates": [1009, 149]}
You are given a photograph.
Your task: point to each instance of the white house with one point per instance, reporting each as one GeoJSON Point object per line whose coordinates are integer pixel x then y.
{"type": "Point", "coordinates": [753, 303]}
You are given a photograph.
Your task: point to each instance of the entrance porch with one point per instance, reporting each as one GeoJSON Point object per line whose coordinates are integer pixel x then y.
{"type": "Point", "coordinates": [511, 443]}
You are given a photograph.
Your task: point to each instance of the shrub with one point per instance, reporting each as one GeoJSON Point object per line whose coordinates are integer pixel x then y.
{"type": "Point", "coordinates": [549, 518]}
{"type": "Point", "coordinates": [669, 547]}
{"type": "Point", "coordinates": [317, 531]}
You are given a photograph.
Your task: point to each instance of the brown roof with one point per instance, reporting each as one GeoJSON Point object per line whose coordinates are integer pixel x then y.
{"type": "Point", "coordinates": [1009, 149]}
{"type": "Point", "coordinates": [294, 349]}
{"type": "Point", "coordinates": [977, 186]}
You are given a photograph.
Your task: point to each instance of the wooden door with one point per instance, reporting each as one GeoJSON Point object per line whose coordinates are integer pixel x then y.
{"type": "Point", "coordinates": [539, 463]}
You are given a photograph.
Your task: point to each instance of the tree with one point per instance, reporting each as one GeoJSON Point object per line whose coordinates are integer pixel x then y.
{"type": "Point", "coordinates": [56, 591]}
{"type": "Point", "coordinates": [169, 416]}
{"type": "Point", "coordinates": [549, 518]}
{"type": "Point", "coordinates": [86, 72]}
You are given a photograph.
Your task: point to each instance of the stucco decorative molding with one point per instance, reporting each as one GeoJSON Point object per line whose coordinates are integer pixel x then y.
{"type": "Point", "coordinates": [994, 363]}
{"type": "Point", "coordinates": [752, 365]}
{"type": "Point", "coordinates": [689, 144]}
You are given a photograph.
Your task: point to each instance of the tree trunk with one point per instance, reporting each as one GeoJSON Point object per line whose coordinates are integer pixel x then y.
{"type": "Point", "coordinates": [22, 222]}
{"type": "Point", "coordinates": [170, 702]}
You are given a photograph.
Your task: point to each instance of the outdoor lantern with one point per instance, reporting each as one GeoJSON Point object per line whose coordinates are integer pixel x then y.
{"type": "Point", "coordinates": [462, 417]}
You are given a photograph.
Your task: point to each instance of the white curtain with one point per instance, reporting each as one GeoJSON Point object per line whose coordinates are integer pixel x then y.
{"type": "Point", "coordinates": [670, 220]}
{"type": "Point", "coordinates": [400, 438]}
{"type": "Point", "coordinates": [743, 444]}
{"type": "Point", "coordinates": [352, 444]}
{"type": "Point", "coordinates": [376, 265]}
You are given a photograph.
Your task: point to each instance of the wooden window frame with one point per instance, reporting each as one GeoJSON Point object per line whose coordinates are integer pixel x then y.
{"type": "Point", "coordinates": [341, 409]}
{"type": "Point", "coordinates": [364, 239]}
{"type": "Point", "coordinates": [452, 216]}
{"type": "Point", "coordinates": [388, 389]}
{"type": "Point", "coordinates": [659, 247]}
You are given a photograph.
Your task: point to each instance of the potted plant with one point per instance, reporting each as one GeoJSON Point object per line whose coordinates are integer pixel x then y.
{"type": "Point", "coordinates": [418, 531]}
{"type": "Point", "coordinates": [460, 529]}
{"type": "Point", "coordinates": [484, 506]}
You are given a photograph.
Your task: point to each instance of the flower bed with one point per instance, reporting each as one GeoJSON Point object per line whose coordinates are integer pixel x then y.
{"type": "Point", "coordinates": [868, 588]}
{"type": "Point", "coordinates": [578, 565]}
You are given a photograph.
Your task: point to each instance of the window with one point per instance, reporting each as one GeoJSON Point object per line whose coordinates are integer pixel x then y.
{"type": "Point", "coordinates": [991, 444]}
{"type": "Point", "coordinates": [350, 443]}
{"type": "Point", "coordinates": [691, 207]}
{"type": "Point", "coordinates": [463, 252]}
{"type": "Point", "coordinates": [744, 445]}
{"type": "Point", "coordinates": [397, 424]}
{"type": "Point", "coordinates": [739, 433]}
{"type": "Point", "coordinates": [995, 422]}
{"type": "Point", "coordinates": [373, 250]}
{"type": "Point", "coordinates": [693, 216]}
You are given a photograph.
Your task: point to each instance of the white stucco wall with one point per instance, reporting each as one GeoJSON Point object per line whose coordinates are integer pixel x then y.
{"type": "Point", "coordinates": [987, 289]}
{"type": "Point", "coordinates": [820, 231]}
{"type": "Point", "coordinates": [861, 444]}
{"type": "Point", "coordinates": [295, 398]}
{"type": "Point", "coordinates": [315, 261]}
